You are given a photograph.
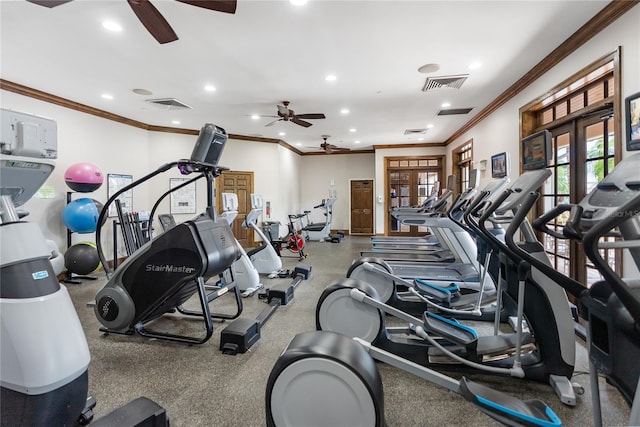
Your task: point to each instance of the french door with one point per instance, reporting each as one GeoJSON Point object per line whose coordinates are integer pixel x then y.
{"type": "Point", "coordinates": [409, 183]}
{"type": "Point", "coordinates": [584, 153]}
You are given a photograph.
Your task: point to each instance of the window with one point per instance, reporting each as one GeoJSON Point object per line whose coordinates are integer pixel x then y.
{"type": "Point", "coordinates": [580, 115]}
{"type": "Point", "coordinates": [462, 162]}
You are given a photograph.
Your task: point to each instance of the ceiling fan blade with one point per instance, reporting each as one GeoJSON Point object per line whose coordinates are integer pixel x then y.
{"type": "Point", "coordinates": [311, 116]}
{"type": "Point", "coordinates": [153, 21]}
{"type": "Point", "coordinates": [302, 123]}
{"type": "Point", "coordinates": [272, 123]}
{"type": "Point", "coordinates": [228, 6]}
{"type": "Point", "coordinates": [49, 3]}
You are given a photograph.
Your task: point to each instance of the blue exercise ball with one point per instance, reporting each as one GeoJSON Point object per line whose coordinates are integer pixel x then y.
{"type": "Point", "coordinates": [81, 258]}
{"type": "Point", "coordinates": [81, 215]}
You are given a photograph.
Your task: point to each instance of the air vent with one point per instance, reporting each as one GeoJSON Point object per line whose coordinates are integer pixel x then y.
{"type": "Point", "coordinates": [415, 131]}
{"type": "Point", "coordinates": [454, 111]}
{"type": "Point", "coordinates": [169, 104]}
{"type": "Point", "coordinates": [453, 82]}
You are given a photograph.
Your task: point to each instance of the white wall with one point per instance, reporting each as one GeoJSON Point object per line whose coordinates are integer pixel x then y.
{"type": "Point", "coordinates": [317, 175]}
{"type": "Point", "coordinates": [113, 147]}
{"type": "Point", "coordinates": [123, 149]}
{"type": "Point", "coordinates": [380, 191]}
{"type": "Point", "coordinates": [500, 131]}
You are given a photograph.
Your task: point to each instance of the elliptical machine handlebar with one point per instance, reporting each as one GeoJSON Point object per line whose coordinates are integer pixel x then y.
{"type": "Point", "coordinates": [540, 223]}
{"type": "Point", "coordinates": [590, 243]}
{"type": "Point", "coordinates": [568, 284]}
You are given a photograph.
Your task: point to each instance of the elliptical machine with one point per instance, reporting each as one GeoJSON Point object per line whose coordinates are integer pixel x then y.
{"type": "Point", "coordinates": [168, 270]}
{"type": "Point", "coordinates": [244, 272]}
{"type": "Point", "coordinates": [44, 352]}
{"type": "Point", "coordinates": [264, 257]}
{"type": "Point", "coordinates": [610, 308]}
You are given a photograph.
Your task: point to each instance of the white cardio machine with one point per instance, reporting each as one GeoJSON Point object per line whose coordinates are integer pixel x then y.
{"type": "Point", "coordinates": [244, 272]}
{"type": "Point", "coordinates": [264, 258]}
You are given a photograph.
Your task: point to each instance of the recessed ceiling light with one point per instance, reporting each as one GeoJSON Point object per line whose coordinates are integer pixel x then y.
{"type": "Point", "coordinates": [299, 144]}
{"type": "Point", "coordinates": [255, 116]}
{"type": "Point", "coordinates": [475, 65]}
{"type": "Point", "coordinates": [357, 142]}
{"type": "Point", "coordinates": [429, 126]}
{"type": "Point", "coordinates": [298, 2]}
{"type": "Point", "coordinates": [142, 91]}
{"type": "Point", "coordinates": [421, 139]}
{"type": "Point", "coordinates": [175, 122]}
{"type": "Point", "coordinates": [330, 78]}
{"type": "Point", "coordinates": [353, 130]}
{"type": "Point", "coordinates": [282, 133]}
{"type": "Point", "coordinates": [210, 88]}
{"type": "Point", "coordinates": [344, 111]}
{"type": "Point", "coordinates": [446, 105]}
{"type": "Point", "coordinates": [112, 26]}
{"type": "Point", "coordinates": [106, 96]}
{"type": "Point", "coordinates": [429, 68]}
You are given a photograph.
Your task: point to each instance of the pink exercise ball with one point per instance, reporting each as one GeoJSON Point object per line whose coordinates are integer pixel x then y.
{"type": "Point", "coordinates": [83, 177]}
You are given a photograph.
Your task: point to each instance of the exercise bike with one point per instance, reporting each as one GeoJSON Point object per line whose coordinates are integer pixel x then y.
{"type": "Point", "coordinates": [293, 241]}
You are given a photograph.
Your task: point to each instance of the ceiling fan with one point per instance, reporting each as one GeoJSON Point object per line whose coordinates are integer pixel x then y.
{"type": "Point", "coordinates": [330, 148]}
{"type": "Point", "coordinates": [151, 18]}
{"type": "Point", "coordinates": [287, 115]}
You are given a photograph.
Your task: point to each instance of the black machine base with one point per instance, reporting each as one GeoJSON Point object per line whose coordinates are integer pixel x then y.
{"type": "Point", "coordinates": [139, 412]}
{"type": "Point", "coordinates": [242, 333]}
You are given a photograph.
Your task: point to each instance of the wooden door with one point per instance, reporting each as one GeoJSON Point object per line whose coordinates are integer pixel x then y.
{"type": "Point", "coordinates": [240, 183]}
{"type": "Point", "coordinates": [362, 207]}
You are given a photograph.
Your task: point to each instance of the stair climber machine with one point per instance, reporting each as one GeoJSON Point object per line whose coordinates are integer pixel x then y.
{"type": "Point", "coordinates": [446, 290]}
{"type": "Point", "coordinates": [44, 354]}
{"type": "Point", "coordinates": [607, 218]}
{"type": "Point", "coordinates": [264, 258]}
{"type": "Point", "coordinates": [171, 268]}
{"type": "Point", "coordinates": [321, 231]}
{"type": "Point", "coordinates": [244, 272]}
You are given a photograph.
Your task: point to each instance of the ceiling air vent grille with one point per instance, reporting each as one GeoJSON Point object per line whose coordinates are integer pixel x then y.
{"type": "Point", "coordinates": [453, 82]}
{"type": "Point", "coordinates": [169, 104]}
{"type": "Point", "coordinates": [454, 111]}
{"type": "Point", "coordinates": [415, 131]}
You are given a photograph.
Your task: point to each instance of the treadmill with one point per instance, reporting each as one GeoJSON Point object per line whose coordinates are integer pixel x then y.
{"type": "Point", "coordinates": [467, 270]}
{"type": "Point", "coordinates": [449, 231]}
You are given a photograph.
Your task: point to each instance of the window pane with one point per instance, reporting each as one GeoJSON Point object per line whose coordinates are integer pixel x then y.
{"type": "Point", "coordinates": [576, 103]}
{"type": "Point", "coordinates": [561, 110]}
{"type": "Point", "coordinates": [610, 138]}
{"type": "Point", "coordinates": [595, 140]}
{"type": "Point", "coordinates": [547, 116]}
{"type": "Point", "coordinates": [562, 148]}
{"type": "Point", "coordinates": [594, 172]}
{"type": "Point", "coordinates": [562, 179]}
{"type": "Point", "coordinates": [595, 94]}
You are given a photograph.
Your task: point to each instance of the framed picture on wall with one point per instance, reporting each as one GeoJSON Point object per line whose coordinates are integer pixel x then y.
{"type": "Point", "coordinates": [116, 182]}
{"type": "Point", "coordinates": [183, 200]}
{"type": "Point", "coordinates": [632, 114]}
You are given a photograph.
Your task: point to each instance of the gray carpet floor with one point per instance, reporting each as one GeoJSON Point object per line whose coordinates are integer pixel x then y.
{"type": "Point", "coordinates": [200, 386]}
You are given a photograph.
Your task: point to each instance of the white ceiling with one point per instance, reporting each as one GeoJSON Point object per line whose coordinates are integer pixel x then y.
{"type": "Point", "coordinates": [271, 51]}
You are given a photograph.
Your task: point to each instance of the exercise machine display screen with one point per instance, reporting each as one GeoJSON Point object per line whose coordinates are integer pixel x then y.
{"type": "Point", "coordinates": [536, 150]}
